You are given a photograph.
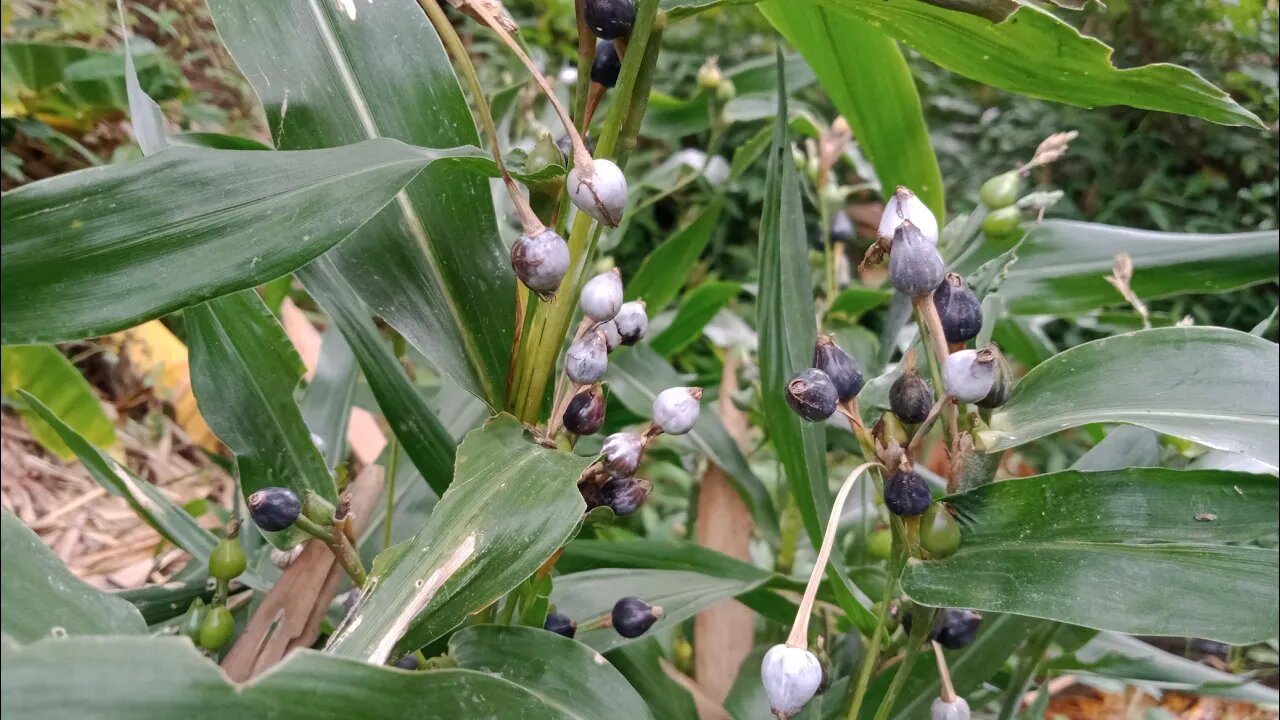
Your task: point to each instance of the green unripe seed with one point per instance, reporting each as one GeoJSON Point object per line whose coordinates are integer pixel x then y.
{"type": "Point", "coordinates": [192, 621]}
{"type": "Point", "coordinates": [880, 544]}
{"type": "Point", "coordinates": [217, 628]}
{"type": "Point", "coordinates": [1002, 222]}
{"type": "Point", "coordinates": [1001, 191]}
{"type": "Point", "coordinates": [227, 560]}
{"type": "Point", "coordinates": [939, 531]}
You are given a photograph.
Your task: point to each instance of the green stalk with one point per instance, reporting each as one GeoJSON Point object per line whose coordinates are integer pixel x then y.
{"type": "Point", "coordinates": [1026, 671]}
{"type": "Point", "coordinates": [394, 447]}
{"type": "Point", "coordinates": [536, 362]}
{"type": "Point", "coordinates": [871, 656]}
{"type": "Point", "coordinates": [919, 634]}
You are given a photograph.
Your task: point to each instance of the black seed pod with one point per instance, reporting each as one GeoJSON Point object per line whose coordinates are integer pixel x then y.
{"type": "Point", "coordinates": [1003, 384]}
{"type": "Point", "coordinates": [956, 628]}
{"type": "Point", "coordinates": [915, 267]}
{"type": "Point", "coordinates": [812, 395]}
{"type": "Point", "coordinates": [840, 366]}
{"type": "Point", "coordinates": [906, 494]}
{"type": "Point", "coordinates": [958, 308]}
{"type": "Point", "coordinates": [592, 494]}
{"type": "Point", "coordinates": [274, 508]}
{"type": "Point", "coordinates": [625, 495]}
{"type": "Point", "coordinates": [585, 413]}
{"type": "Point", "coordinates": [632, 617]}
{"type": "Point", "coordinates": [408, 662]}
{"type": "Point", "coordinates": [605, 68]}
{"type": "Point", "coordinates": [609, 19]}
{"type": "Point", "coordinates": [560, 624]}
{"type": "Point", "coordinates": [910, 397]}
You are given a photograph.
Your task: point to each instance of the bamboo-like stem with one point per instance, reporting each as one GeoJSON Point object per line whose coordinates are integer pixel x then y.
{"type": "Point", "coordinates": [1026, 671]}
{"type": "Point", "coordinates": [336, 539]}
{"type": "Point", "coordinates": [581, 157]}
{"type": "Point", "coordinates": [919, 631]}
{"type": "Point", "coordinates": [872, 654]}
{"type": "Point", "coordinates": [948, 693]}
{"type": "Point", "coordinates": [799, 636]}
{"type": "Point", "coordinates": [462, 61]}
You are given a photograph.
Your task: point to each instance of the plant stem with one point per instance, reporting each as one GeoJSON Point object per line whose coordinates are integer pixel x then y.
{"type": "Point", "coordinates": [338, 542]}
{"type": "Point", "coordinates": [392, 463]}
{"type": "Point", "coordinates": [1026, 671]}
{"type": "Point", "coordinates": [871, 654]}
{"type": "Point", "coordinates": [919, 632]}
{"type": "Point", "coordinates": [948, 693]}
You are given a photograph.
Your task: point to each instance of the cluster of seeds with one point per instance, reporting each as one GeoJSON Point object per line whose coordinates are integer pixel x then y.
{"type": "Point", "coordinates": [212, 626]}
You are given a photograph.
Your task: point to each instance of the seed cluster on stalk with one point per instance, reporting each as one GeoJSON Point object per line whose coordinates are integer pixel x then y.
{"type": "Point", "coordinates": [833, 382]}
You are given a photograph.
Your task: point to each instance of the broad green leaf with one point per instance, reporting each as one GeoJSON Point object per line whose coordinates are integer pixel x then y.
{"type": "Point", "coordinates": [700, 305]}
{"type": "Point", "coordinates": [511, 505]}
{"type": "Point", "coordinates": [72, 82]}
{"type": "Point", "coordinates": [424, 439]}
{"type": "Point", "coordinates": [1124, 447]}
{"type": "Point", "coordinates": [881, 106]}
{"type": "Point", "coordinates": [1033, 53]}
{"type": "Point", "coordinates": [665, 270]}
{"type": "Point", "coordinates": [41, 598]}
{"type": "Point", "coordinates": [1216, 386]}
{"type": "Point", "coordinates": [586, 596]}
{"type": "Point", "coordinates": [326, 403]}
{"type": "Point", "coordinates": [785, 321]}
{"type": "Point", "coordinates": [145, 115]}
{"type": "Point", "coordinates": [1125, 658]}
{"type": "Point", "coordinates": [636, 376]}
{"type": "Point", "coordinates": [47, 374]}
{"type": "Point", "coordinates": [746, 700]}
{"type": "Point", "coordinates": [639, 662]}
{"type": "Point", "coordinates": [103, 249]}
{"type": "Point", "coordinates": [244, 372]}
{"type": "Point", "coordinates": [565, 675]}
{"type": "Point", "coordinates": [153, 506]}
{"type": "Point", "coordinates": [432, 263]}
{"type": "Point", "coordinates": [166, 601]}
{"type": "Point", "coordinates": [852, 303]}
{"type": "Point", "coordinates": [1139, 551]}
{"type": "Point", "coordinates": [165, 677]}
{"type": "Point", "coordinates": [1062, 265]}
{"type": "Point", "coordinates": [582, 555]}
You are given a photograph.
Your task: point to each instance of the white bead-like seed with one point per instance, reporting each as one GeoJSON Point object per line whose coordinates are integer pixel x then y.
{"type": "Point", "coordinates": [790, 676]}
{"type": "Point", "coordinates": [957, 709]}
{"type": "Point", "coordinates": [611, 337]}
{"type": "Point", "coordinates": [601, 194]}
{"type": "Point", "coordinates": [601, 297]}
{"type": "Point", "coordinates": [675, 410]}
{"type": "Point", "coordinates": [633, 322]}
{"type": "Point", "coordinates": [903, 206]}
{"type": "Point", "coordinates": [968, 375]}
{"type": "Point", "coordinates": [587, 359]}
{"type": "Point", "coordinates": [540, 261]}
{"type": "Point", "coordinates": [622, 452]}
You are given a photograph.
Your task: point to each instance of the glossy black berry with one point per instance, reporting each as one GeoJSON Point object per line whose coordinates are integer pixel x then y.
{"type": "Point", "coordinates": [560, 624]}
{"type": "Point", "coordinates": [625, 495]}
{"type": "Point", "coordinates": [632, 617]}
{"type": "Point", "coordinates": [605, 68]}
{"type": "Point", "coordinates": [910, 397]}
{"type": "Point", "coordinates": [906, 493]}
{"type": "Point", "coordinates": [585, 412]}
{"type": "Point", "coordinates": [958, 308]}
{"type": "Point", "coordinates": [956, 628]}
{"type": "Point", "coordinates": [274, 508]}
{"type": "Point", "coordinates": [609, 19]}
{"type": "Point", "coordinates": [812, 395]}
{"type": "Point", "coordinates": [408, 662]}
{"type": "Point", "coordinates": [840, 366]}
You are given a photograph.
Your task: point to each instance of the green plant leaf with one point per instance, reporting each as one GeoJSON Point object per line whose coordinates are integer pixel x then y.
{"type": "Point", "coordinates": [165, 677]}
{"type": "Point", "coordinates": [103, 249]}
{"type": "Point", "coordinates": [1062, 265]}
{"type": "Point", "coordinates": [1216, 386]}
{"type": "Point", "coordinates": [326, 403]}
{"type": "Point", "coordinates": [244, 372]}
{"type": "Point", "coordinates": [511, 505]}
{"type": "Point", "coordinates": [1125, 658]}
{"type": "Point", "coordinates": [432, 263]}
{"type": "Point", "coordinates": [852, 303]}
{"type": "Point", "coordinates": [41, 598]}
{"type": "Point", "coordinates": [1013, 55]}
{"type": "Point", "coordinates": [74, 82]}
{"type": "Point", "coordinates": [1139, 551]}
{"type": "Point", "coordinates": [665, 270]}
{"type": "Point", "coordinates": [427, 443]}
{"type": "Point", "coordinates": [700, 305]}
{"type": "Point", "coordinates": [565, 675]}
{"type": "Point", "coordinates": [640, 663]}
{"type": "Point", "coordinates": [585, 596]}
{"type": "Point", "coordinates": [636, 376]}
{"type": "Point", "coordinates": [881, 107]}
{"type": "Point", "coordinates": [47, 374]}
{"type": "Point", "coordinates": [785, 321]}
{"type": "Point", "coordinates": [582, 555]}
